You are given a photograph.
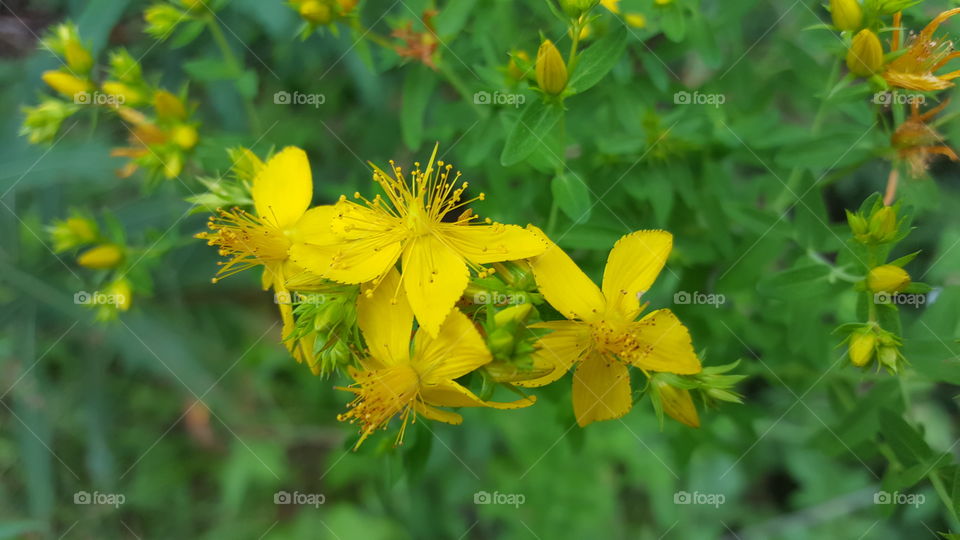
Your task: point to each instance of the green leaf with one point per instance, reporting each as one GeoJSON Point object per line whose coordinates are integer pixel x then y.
{"type": "Point", "coordinates": [598, 59]}
{"type": "Point", "coordinates": [673, 23]}
{"type": "Point", "coordinates": [531, 129]}
{"type": "Point", "coordinates": [417, 89]}
{"type": "Point", "coordinates": [572, 196]}
{"type": "Point", "coordinates": [906, 441]}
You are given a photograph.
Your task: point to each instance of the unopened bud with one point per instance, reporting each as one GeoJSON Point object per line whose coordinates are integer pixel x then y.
{"type": "Point", "coordinates": [65, 83]}
{"type": "Point", "coordinates": [551, 69]}
{"type": "Point", "coordinates": [846, 14]}
{"type": "Point", "coordinates": [862, 345]}
{"type": "Point", "coordinates": [101, 257]}
{"type": "Point", "coordinates": [888, 279]}
{"type": "Point", "coordinates": [865, 56]}
{"type": "Point", "coordinates": [883, 224]}
{"type": "Point", "coordinates": [316, 12]}
{"type": "Point", "coordinates": [677, 403]}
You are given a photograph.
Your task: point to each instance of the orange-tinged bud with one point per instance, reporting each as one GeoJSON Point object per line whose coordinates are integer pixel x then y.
{"type": "Point", "coordinates": [846, 14]}
{"type": "Point", "coordinates": [65, 83]}
{"type": "Point", "coordinates": [888, 279]}
{"type": "Point", "coordinates": [101, 257]}
{"type": "Point", "coordinates": [551, 69]}
{"type": "Point", "coordinates": [865, 56]}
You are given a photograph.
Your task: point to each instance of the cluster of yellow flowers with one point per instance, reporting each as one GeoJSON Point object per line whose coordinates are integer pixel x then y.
{"type": "Point", "coordinates": [162, 132]}
{"type": "Point", "coordinates": [472, 286]}
{"type": "Point", "coordinates": [912, 66]}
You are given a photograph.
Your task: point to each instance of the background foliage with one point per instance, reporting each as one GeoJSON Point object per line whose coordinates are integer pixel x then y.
{"type": "Point", "coordinates": [189, 407]}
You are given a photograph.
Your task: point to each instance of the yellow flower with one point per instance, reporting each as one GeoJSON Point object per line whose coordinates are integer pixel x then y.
{"type": "Point", "coordinates": [603, 336]}
{"type": "Point", "coordinates": [677, 403]}
{"type": "Point", "coordinates": [888, 279]}
{"type": "Point", "coordinates": [397, 381]}
{"type": "Point", "coordinates": [551, 69]}
{"type": "Point", "coordinates": [846, 14]}
{"type": "Point", "coordinates": [865, 56]}
{"type": "Point", "coordinates": [282, 190]}
{"type": "Point", "coordinates": [914, 69]}
{"type": "Point", "coordinates": [101, 257]}
{"type": "Point", "coordinates": [358, 243]}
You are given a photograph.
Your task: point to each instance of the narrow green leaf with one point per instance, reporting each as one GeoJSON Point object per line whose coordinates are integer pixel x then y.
{"type": "Point", "coordinates": [531, 128]}
{"type": "Point", "coordinates": [572, 196]}
{"type": "Point", "coordinates": [598, 59]}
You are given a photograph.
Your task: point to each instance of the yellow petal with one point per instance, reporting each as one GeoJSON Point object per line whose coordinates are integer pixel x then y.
{"type": "Point", "coordinates": [283, 188]}
{"type": "Point", "coordinates": [561, 348]}
{"type": "Point", "coordinates": [457, 350]}
{"type": "Point", "coordinates": [666, 344]}
{"type": "Point", "coordinates": [601, 390]}
{"type": "Point", "coordinates": [434, 277]}
{"type": "Point", "coordinates": [564, 285]}
{"type": "Point", "coordinates": [326, 246]}
{"type": "Point", "coordinates": [451, 394]}
{"type": "Point", "coordinates": [632, 267]}
{"type": "Point", "coordinates": [440, 415]}
{"type": "Point", "coordinates": [484, 244]}
{"type": "Point", "coordinates": [386, 321]}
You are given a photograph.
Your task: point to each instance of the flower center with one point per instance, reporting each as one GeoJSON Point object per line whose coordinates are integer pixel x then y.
{"type": "Point", "coordinates": [417, 220]}
{"type": "Point", "coordinates": [610, 337]}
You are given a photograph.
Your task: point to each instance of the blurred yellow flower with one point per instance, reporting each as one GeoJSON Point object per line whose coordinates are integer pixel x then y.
{"type": "Point", "coordinates": [358, 243]}
{"type": "Point", "coordinates": [65, 83]}
{"type": "Point", "coordinates": [394, 380]}
{"type": "Point", "coordinates": [603, 336]}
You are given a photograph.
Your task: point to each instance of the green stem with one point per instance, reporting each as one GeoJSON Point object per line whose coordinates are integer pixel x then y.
{"type": "Point", "coordinates": [552, 220]}
{"type": "Point", "coordinates": [221, 40]}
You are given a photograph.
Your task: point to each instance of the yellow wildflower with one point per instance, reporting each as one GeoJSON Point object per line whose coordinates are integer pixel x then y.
{"type": "Point", "coordinates": [359, 243]}
{"type": "Point", "coordinates": [281, 192]}
{"type": "Point", "coordinates": [394, 380]}
{"type": "Point", "coordinates": [914, 69]}
{"type": "Point", "coordinates": [603, 336]}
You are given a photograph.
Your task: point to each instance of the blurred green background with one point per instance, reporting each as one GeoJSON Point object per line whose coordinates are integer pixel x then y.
{"type": "Point", "coordinates": [190, 410]}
